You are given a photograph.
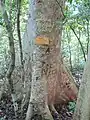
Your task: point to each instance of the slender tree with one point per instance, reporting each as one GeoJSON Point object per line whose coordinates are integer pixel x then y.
{"type": "Point", "coordinates": [20, 48]}
{"type": "Point", "coordinates": [88, 36]}
{"type": "Point", "coordinates": [70, 53]}
{"type": "Point", "coordinates": [12, 53]}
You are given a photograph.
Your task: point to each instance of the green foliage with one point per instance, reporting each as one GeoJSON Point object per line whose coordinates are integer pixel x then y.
{"type": "Point", "coordinates": [70, 1]}
{"type": "Point", "coordinates": [1, 20]}
{"type": "Point", "coordinates": [11, 8]}
{"type": "Point", "coordinates": [77, 13]}
{"type": "Point", "coordinates": [71, 106]}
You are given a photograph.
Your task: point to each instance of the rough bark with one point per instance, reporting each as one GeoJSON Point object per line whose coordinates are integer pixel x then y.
{"type": "Point", "coordinates": [45, 35]}
{"type": "Point", "coordinates": [82, 111]}
{"type": "Point", "coordinates": [65, 88]}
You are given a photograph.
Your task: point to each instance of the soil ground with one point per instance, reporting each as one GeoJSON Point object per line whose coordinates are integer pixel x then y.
{"type": "Point", "coordinates": [7, 111]}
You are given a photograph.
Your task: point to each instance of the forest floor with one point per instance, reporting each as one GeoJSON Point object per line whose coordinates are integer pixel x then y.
{"type": "Point", "coordinates": [7, 111]}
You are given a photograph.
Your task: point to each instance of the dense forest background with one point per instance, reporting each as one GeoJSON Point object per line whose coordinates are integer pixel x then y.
{"type": "Point", "coordinates": [74, 45]}
{"type": "Point", "coordinates": [75, 39]}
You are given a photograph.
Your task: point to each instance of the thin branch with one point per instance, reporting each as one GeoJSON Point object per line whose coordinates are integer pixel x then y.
{"type": "Point", "coordinates": [61, 9]}
{"type": "Point", "coordinates": [79, 42]}
{"type": "Point", "coordinates": [88, 36]}
{"type": "Point", "coordinates": [10, 11]}
{"type": "Point", "coordinates": [18, 30]}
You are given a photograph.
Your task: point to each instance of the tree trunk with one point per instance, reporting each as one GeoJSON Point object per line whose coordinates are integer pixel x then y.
{"type": "Point", "coordinates": [82, 111]}
{"type": "Point", "coordinates": [12, 55]}
{"type": "Point", "coordinates": [88, 34]}
{"type": "Point", "coordinates": [45, 33]}
{"type": "Point", "coordinates": [69, 47]}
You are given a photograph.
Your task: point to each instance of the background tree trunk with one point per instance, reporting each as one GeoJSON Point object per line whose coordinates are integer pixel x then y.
{"type": "Point", "coordinates": [82, 111]}
{"type": "Point", "coordinates": [12, 55]}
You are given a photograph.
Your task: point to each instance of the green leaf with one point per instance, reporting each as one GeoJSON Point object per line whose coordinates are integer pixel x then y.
{"type": "Point", "coordinates": [70, 1]}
